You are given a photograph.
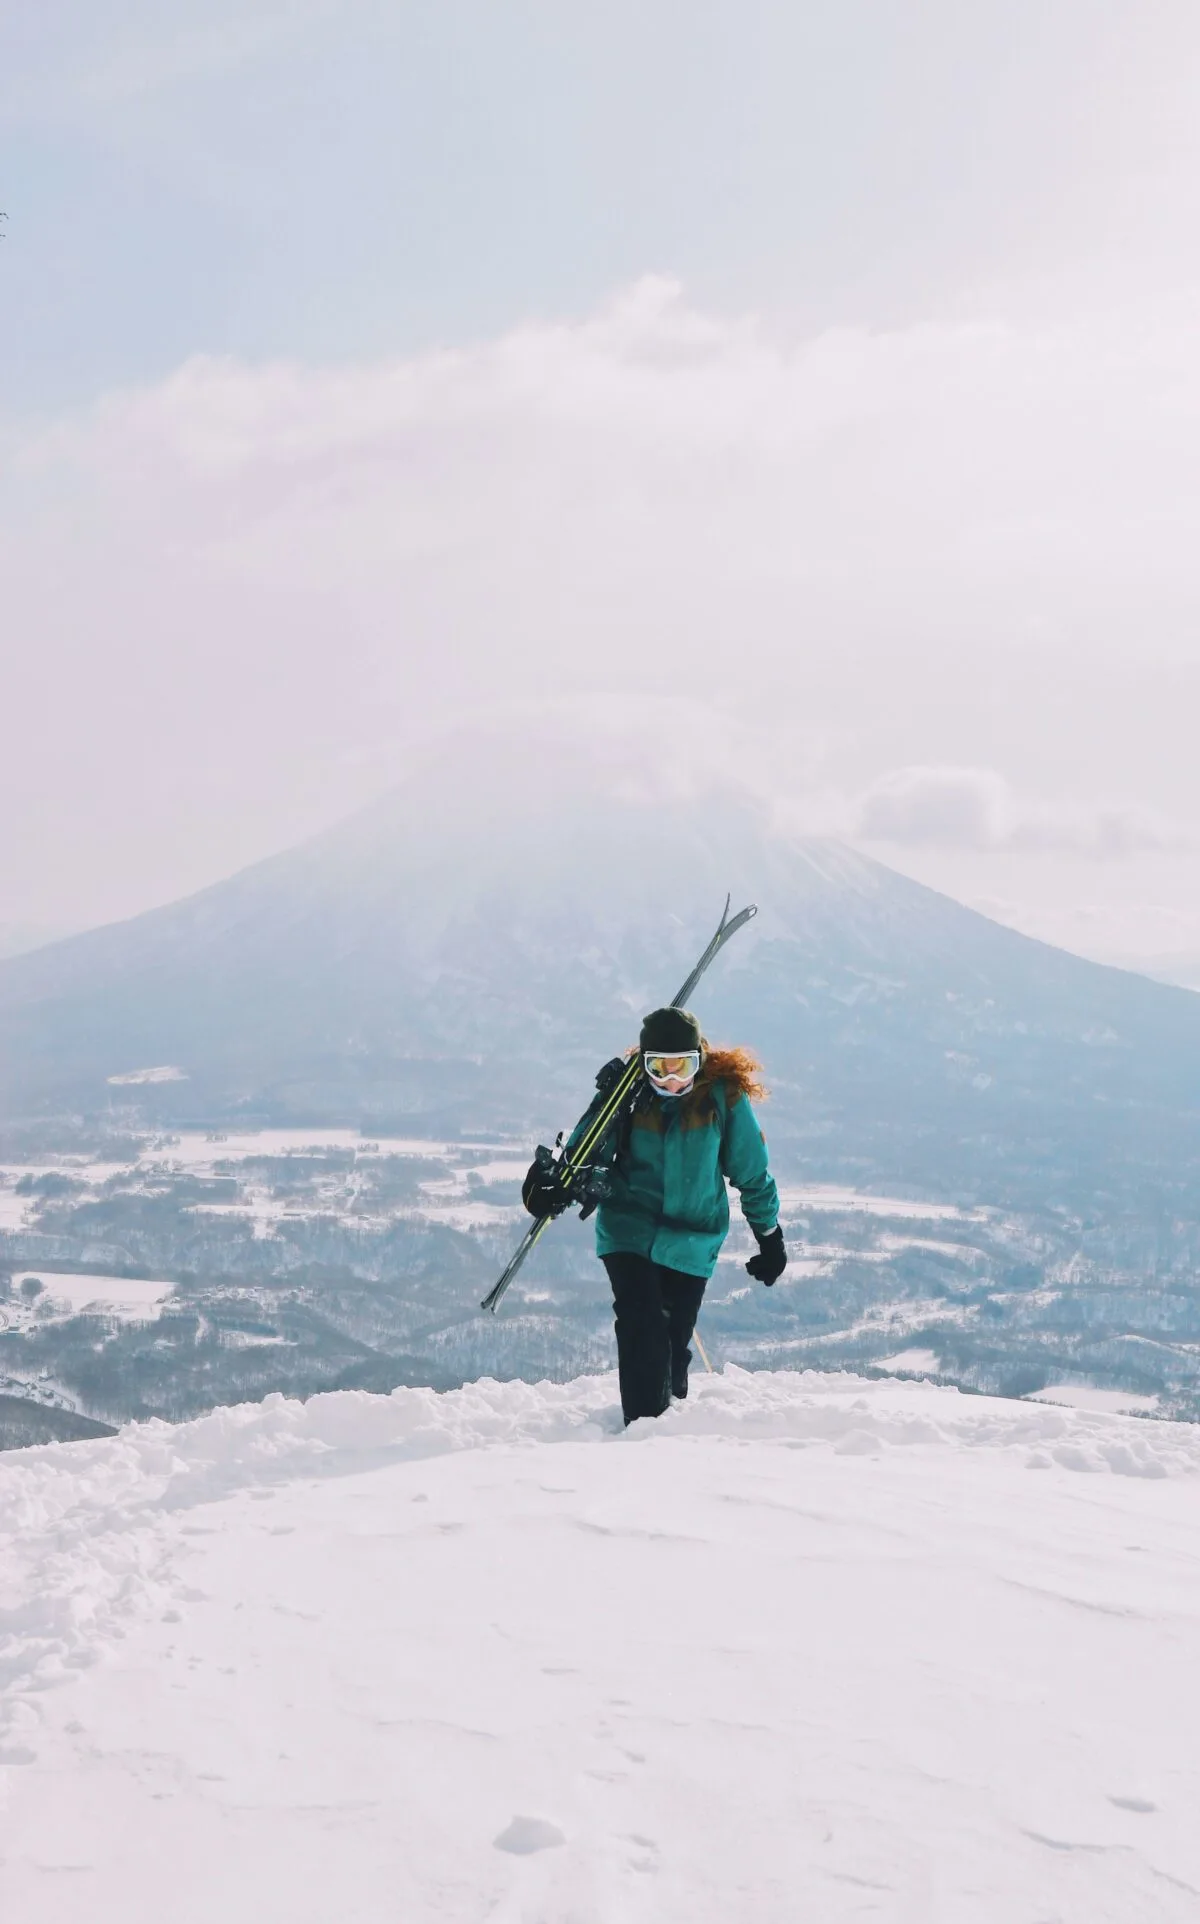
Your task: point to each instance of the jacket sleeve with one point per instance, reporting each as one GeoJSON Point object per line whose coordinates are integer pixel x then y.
{"type": "Point", "coordinates": [744, 1161]}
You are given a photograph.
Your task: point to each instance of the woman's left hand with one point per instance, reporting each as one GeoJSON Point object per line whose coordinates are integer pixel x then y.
{"type": "Point", "coordinates": [768, 1266]}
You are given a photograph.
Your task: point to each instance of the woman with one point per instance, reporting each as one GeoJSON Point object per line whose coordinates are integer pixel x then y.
{"type": "Point", "coordinates": [665, 1213]}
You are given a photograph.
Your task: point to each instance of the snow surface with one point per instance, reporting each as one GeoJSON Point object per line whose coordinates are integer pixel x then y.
{"type": "Point", "coordinates": [194, 1149]}
{"type": "Point", "coordinates": [1086, 1396]}
{"type": "Point", "coordinates": [132, 1298]}
{"type": "Point", "coordinates": [161, 1072]}
{"type": "Point", "coordinates": [820, 1198]}
{"type": "Point", "coordinates": [912, 1362]}
{"type": "Point", "coordinates": [808, 1648]}
{"type": "Point", "coordinates": [448, 1201]}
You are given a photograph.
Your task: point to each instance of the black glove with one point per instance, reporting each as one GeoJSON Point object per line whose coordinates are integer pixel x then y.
{"type": "Point", "coordinates": [768, 1266]}
{"type": "Point", "coordinates": [542, 1191]}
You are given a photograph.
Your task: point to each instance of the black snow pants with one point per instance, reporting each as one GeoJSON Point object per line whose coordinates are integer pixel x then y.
{"type": "Point", "coordinates": [655, 1310]}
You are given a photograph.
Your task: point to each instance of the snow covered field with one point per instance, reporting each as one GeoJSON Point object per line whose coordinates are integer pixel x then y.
{"type": "Point", "coordinates": [444, 1198]}
{"type": "Point", "coordinates": [808, 1648]}
{"type": "Point", "coordinates": [833, 1199]}
{"type": "Point", "coordinates": [140, 1299]}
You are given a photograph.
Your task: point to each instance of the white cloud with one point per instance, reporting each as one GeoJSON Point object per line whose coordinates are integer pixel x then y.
{"type": "Point", "coordinates": [948, 807]}
{"type": "Point", "coordinates": [974, 808]}
{"type": "Point", "coordinates": [240, 593]}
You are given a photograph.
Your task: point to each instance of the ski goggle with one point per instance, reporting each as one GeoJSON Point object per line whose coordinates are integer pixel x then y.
{"type": "Point", "coordinates": [679, 1068]}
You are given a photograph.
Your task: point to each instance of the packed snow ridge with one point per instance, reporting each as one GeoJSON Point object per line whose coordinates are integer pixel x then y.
{"type": "Point", "coordinates": [808, 1647]}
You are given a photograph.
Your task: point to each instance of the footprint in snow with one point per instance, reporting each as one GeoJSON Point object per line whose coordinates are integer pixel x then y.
{"type": "Point", "coordinates": [524, 1835]}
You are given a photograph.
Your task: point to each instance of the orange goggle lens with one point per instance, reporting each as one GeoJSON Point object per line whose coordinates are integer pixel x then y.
{"type": "Point", "coordinates": [679, 1068]}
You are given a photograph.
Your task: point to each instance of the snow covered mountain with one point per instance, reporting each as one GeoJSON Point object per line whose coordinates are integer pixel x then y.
{"type": "Point", "coordinates": [299, 1105]}
{"type": "Point", "coordinates": [433, 966]}
{"type": "Point", "coordinates": [809, 1647]}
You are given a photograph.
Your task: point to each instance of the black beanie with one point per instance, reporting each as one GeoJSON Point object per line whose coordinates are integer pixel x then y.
{"type": "Point", "coordinates": [670, 1032]}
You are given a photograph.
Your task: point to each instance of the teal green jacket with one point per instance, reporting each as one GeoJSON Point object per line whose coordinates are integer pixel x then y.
{"type": "Point", "coordinates": [669, 1200]}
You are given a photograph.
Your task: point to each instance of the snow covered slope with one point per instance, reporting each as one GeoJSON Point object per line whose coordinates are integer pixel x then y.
{"type": "Point", "coordinates": [810, 1647]}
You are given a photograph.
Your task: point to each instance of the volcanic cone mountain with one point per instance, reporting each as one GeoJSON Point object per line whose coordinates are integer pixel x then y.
{"type": "Point", "coordinates": [437, 964]}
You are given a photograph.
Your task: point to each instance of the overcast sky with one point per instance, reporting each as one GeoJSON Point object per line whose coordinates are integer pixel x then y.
{"type": "Point", "coordinates": [817, 384]}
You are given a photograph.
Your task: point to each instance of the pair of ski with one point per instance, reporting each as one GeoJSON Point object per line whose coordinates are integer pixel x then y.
{"type": "Point", "coordinates": [574, 1166]}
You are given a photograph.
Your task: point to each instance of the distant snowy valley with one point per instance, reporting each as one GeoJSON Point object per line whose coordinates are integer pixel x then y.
{"type": "Point", "coordinates": [162, 1275]}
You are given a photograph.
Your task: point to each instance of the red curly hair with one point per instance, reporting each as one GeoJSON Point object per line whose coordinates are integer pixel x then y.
{"type": "Point", "coordinates": [740, 1071]}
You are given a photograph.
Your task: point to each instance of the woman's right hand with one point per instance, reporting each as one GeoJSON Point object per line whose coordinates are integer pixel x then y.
{"type": "Point", "coordinates": [542, 1190]}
